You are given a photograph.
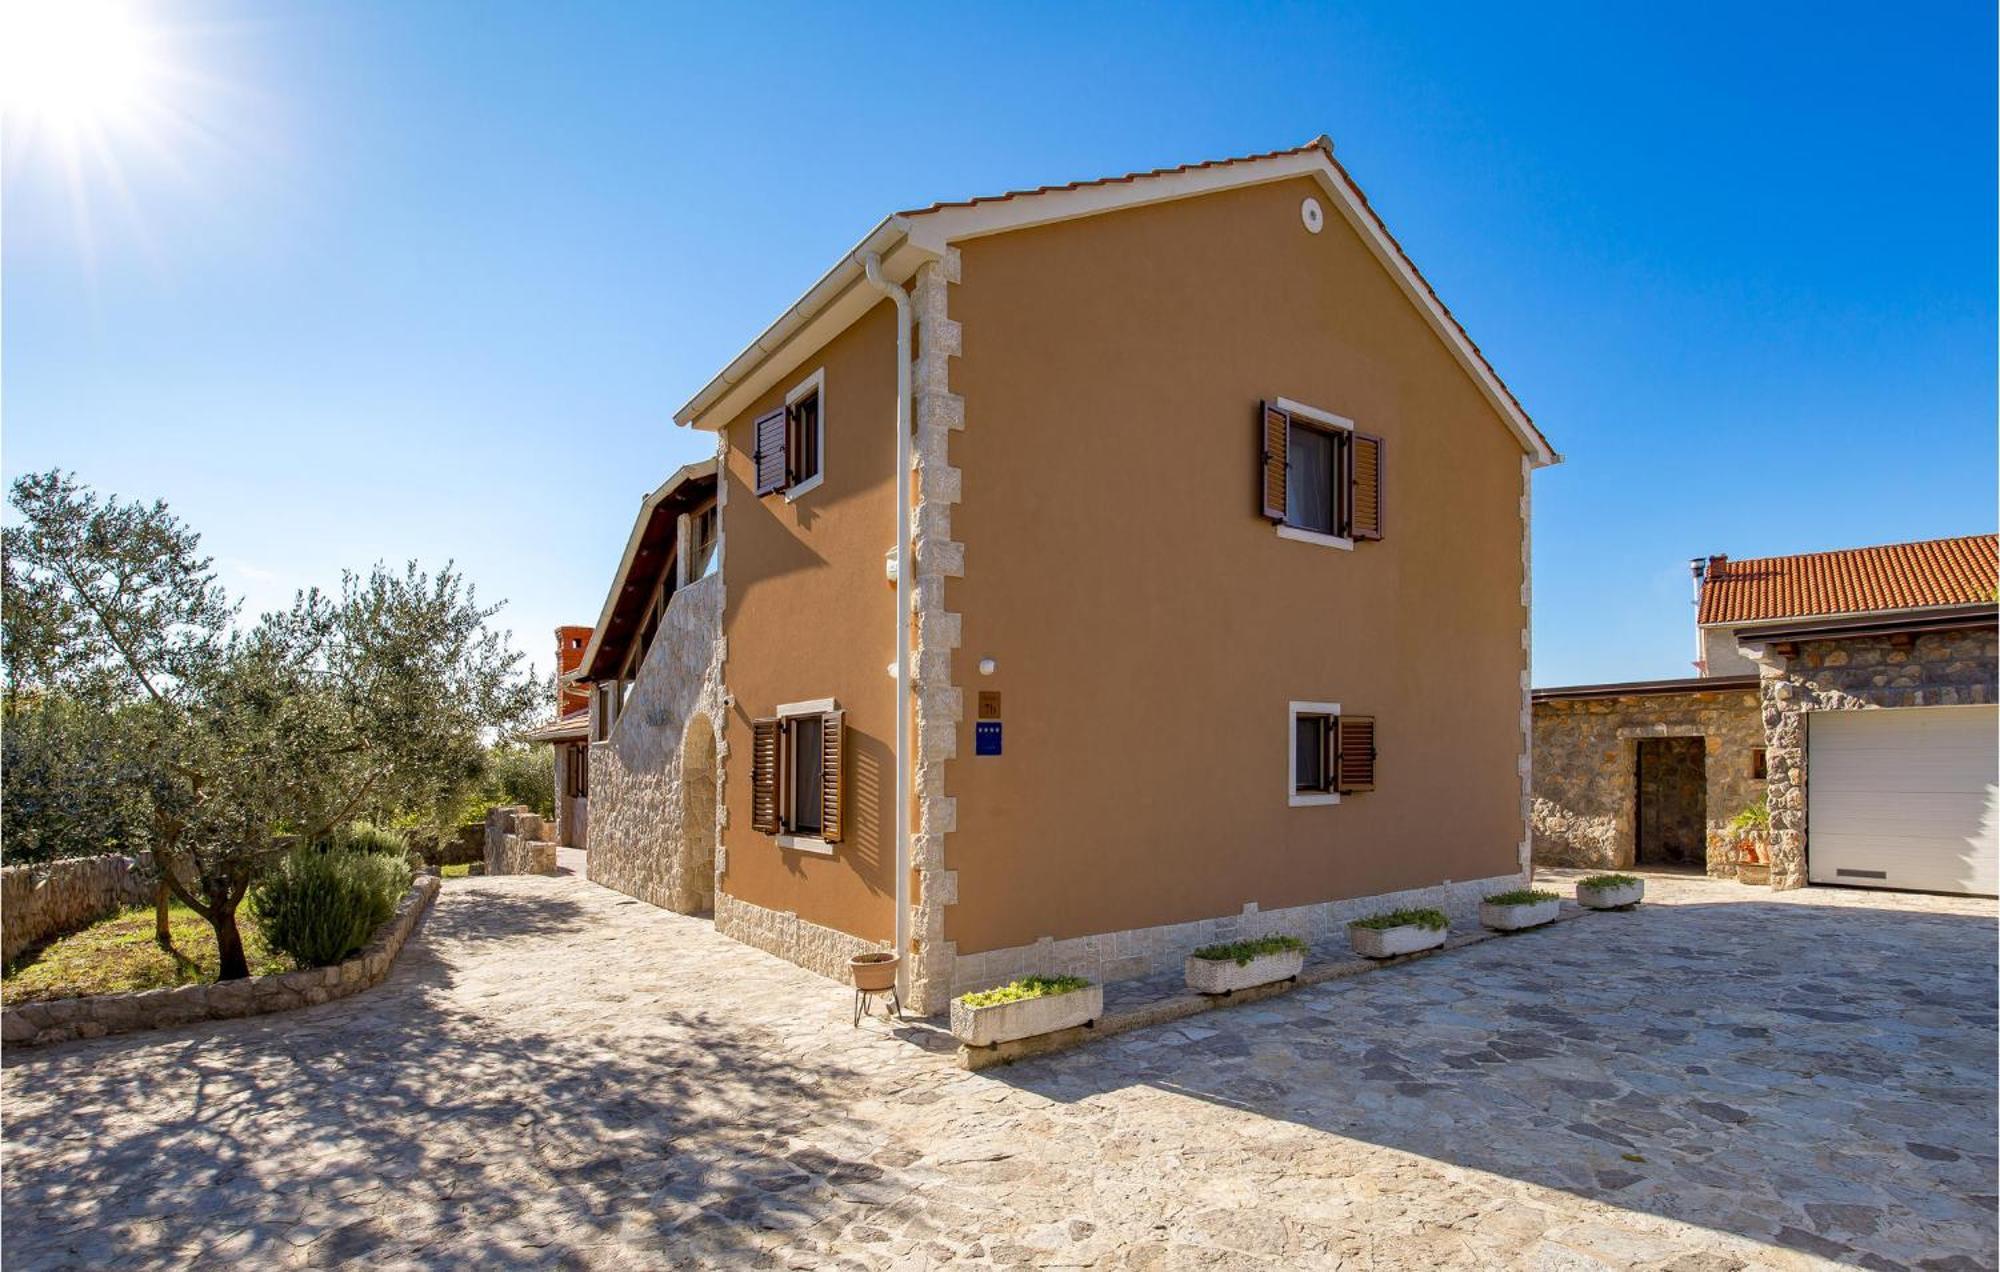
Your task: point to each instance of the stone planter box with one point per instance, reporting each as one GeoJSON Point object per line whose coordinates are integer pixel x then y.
{"type": "Point", "coordinates": [1226, 975]}
{"type": "Point", "coordinates": [1391, 942]}
{"type": "Point", "coordinates": [1513, 918]}
{"type": "Point", "coordinates": [1610, 898]}
{"type": "Point", "coordinates": [61, 1019]}
{"type": "Point", "coordinates": [989, 1026]}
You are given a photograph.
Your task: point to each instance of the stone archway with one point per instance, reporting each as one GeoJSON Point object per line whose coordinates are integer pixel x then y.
{"type": "Point", "coordinates": [694, 854]}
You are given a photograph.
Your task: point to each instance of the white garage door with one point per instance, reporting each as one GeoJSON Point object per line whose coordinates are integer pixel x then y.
{"type": "Point", "coordinates": [1904, 798]}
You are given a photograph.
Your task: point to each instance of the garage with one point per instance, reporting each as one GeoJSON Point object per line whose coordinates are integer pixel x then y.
{"type": "Point", "coordinates": [1904, 797]}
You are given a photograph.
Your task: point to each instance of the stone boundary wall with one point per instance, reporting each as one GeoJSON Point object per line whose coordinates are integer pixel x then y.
{"type": "Point", "coordinates": [1116, 956]}
{"type": "Point", "coordinates": [1935, 669]}
{"type": "Point", "coordinates": [61, 1019]}
{"type": "Point", "coordinates": [53, 898]}
{"type": "Point", "coordinates": [457, 846]}
{"type": "Point", "coordinates": [518, 842]}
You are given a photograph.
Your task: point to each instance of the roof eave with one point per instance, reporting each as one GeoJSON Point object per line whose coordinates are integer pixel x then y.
{"type": "Point", "coordinates": [681, 477]}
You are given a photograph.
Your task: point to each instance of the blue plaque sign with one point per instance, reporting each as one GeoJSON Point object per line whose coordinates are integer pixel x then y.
{"type": "Point", "coordinates": [986, 737]}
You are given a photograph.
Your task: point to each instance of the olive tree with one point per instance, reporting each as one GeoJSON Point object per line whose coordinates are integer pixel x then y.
{"type": "Point", "coordinates": [374, 698]}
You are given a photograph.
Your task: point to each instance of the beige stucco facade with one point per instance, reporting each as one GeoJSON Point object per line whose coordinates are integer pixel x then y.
{"type": "Point", "coordinates": [1149, 628]}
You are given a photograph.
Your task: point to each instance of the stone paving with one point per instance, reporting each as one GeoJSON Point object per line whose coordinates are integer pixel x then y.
{"type": "Point", "coordinates": [556, 1074]}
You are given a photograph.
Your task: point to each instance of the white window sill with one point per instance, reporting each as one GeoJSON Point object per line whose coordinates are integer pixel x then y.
{"type": "Point", "coordinates": [1313, 536]}
{"type": "Point", "coordinates": [1306, 799]}
{"type": "Point", "coordinates": [808, 843]}
{"type": "Point", "coordinates": [792, 493]}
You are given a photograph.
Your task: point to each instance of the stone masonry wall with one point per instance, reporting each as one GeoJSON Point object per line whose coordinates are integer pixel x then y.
{"type": "Point", "coordinates": [518, 841]}
{"type": "Point", "coordinates": [1585, 769]}
{"type": "Point", "coordinates": [1937, 669]}
{"type": "Point", "coordinates": [639, 843]}
{"type": "Point", "coordinates": [42, 901]}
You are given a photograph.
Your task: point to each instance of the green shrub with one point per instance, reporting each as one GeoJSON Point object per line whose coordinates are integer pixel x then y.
{"type": "Point", "coordinates": [1025, 988]}
{"type": "Point", "coordinates": [319, 906]}
{"type": "Point", "coordinates": [1753, 820]}
{"type": "Point", "coordinates": [1435, 920]}
{"type": "Point", "coordinates": [1241, 952]}
{"type": "Point", "coordinates": [1606, 881]}
{"type": "Point", "coordinates": [1521, 896]}
{"type": "Point", "coordinates": [364, 836]}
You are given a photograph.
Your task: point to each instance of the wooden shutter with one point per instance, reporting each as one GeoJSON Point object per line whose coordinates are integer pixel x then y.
{"type": "Point", "coordinates": [1354, 753]}
{"type": "Point", "coordinates": [1364, 495]}
{"type": "Point", "coordinates": [767, 741]}
{"type": "Point", "coordinates": [1274, 435]}
{"type": "Point", "coordinates": [769, 458]}
{"type": "Point", "coordinates": [832, 772]}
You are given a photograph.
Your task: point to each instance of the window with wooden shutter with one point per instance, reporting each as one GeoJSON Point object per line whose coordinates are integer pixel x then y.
{"type": "Point", "coordinates": [772, 465]}
{"type": "Point", "coordinates": [1364, 486]}
{"type": "Point", "coordinates": [833, 770]}
{"type": "Point", "coordinates": [1274, 434]}
{"type": "Point", "coordinates": [766, 758]}
{"type": "Point", "coordinates": [1354, 753]}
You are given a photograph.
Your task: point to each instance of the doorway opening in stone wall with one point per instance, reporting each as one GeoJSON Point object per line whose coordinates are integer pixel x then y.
{"type": "Point", "coordinates": [698, 823]}
{"type": "Point", "coordinates": [1671, 829]}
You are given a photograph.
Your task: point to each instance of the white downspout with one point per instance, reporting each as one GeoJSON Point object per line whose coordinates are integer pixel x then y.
{"type": "Point", "coordinates": [872, 264]}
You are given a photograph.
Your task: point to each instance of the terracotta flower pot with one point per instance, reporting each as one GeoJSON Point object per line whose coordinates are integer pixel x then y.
{"type": "Point", "coordinates": [874, 972]}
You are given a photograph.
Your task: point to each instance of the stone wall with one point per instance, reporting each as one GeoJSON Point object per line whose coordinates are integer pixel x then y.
{"type": "Point", "coordinates": [518, 841]}
{"type": "Point", "coordinates": [1116, 956]}
{"type": "Point", "coordinates": [42, 901]}
{"type": "Point", "coordinates": [457, 846]}
{"type": "Point", "coordinates": [1936, 669]}
{"type": "Point", "coordinates": [1585, 770]}
{"type": "Point", "coordinates": [61, 1019]}
{"type": "Point", "coordinates": [649, 837]}
{"type": "Point", "coordinates": [816, 948]}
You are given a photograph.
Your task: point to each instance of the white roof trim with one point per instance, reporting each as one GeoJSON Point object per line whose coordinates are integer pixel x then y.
{"type": "Point", "coordinates": [681, 477]}
{"type": "Point", "coordinates": [831, 304]}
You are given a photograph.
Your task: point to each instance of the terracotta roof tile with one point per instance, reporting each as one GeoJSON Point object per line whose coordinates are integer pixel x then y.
{"type": "Point", "coordinates": [1896, 576]}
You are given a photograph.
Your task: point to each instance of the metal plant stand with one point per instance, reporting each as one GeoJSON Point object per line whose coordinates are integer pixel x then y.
{"type": "Point", "coordinates": [864, 998]}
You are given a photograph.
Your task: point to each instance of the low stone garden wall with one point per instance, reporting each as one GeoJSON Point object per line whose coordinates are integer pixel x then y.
{"type": "Point", "coordinates": [42, 901]}
{"type": "Point", "coordinates": [61, 1019]}
{"type": "Point", "coordinates": [518, 841]}
{"type": "Point", "coordinates": [458, 846]}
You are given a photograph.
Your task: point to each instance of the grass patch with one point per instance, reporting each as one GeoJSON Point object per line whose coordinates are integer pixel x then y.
{"type": "Point", "coordinates": [1022, 990]}
{"type": "Point", "coordinates": [1521, 896]}
{"type": "Point", "coordinates": [462, 871]}
{"type": "Point", "coordinates": [1435, 920]}
{"type": "Point", "coordinates": [117, 955]}
{"type": "Point", "coordinates": [1607, 881]}
{"type": "Point", "coordinates": [1241, 952]}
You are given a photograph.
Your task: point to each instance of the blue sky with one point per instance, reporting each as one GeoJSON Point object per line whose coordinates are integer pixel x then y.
{"type": "Point", "coordinates": [391, 280]}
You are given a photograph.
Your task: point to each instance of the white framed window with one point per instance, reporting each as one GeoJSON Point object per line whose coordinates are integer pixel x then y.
{"type": "Point", "coordinates": [1322, 479]}
{"type": "Point", "coordinates": [805, 428]}
{"type": "Point", "coordinates": [1309, 772]}
{"type": "Point", "coordinates": [798, 775]}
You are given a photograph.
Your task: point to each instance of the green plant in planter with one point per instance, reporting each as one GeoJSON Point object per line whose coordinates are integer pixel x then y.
{"type": "Point", "coordinates": [1521, 896]}
{"type": "Point", "coordinates": [1241, 952]}
{"type": "Point", "coordinates": [1432, 919]}
{"type": "Point", "coordinates": [1606, 882]}
{"type": "Point", "coordinates": [1025, 988]}
{"type": "Point", "coordinates": [1754, 820]}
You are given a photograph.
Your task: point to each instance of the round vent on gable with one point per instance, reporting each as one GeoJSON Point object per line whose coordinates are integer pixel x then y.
{"type": "Point", "coordinates": [1311, 213]}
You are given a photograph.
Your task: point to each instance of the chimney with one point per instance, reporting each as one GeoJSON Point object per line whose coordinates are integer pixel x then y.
{"type": "Point", "coordinates": [1702, 569]}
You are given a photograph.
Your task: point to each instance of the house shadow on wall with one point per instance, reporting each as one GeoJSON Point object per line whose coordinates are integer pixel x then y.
{"type": "Point", "coordinates": [427, 1137]}
{"type": "Point", "coordinates": [1675, 1061]}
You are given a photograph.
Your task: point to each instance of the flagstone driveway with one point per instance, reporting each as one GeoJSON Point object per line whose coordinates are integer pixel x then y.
{"type": "Point", "coordinates": [558, 1075]}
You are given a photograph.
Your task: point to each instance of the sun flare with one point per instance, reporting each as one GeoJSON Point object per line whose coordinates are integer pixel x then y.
{"type": "Point", "coordinates": [73, 65]}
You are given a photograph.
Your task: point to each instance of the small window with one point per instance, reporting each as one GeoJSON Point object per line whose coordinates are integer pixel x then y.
{"type": "Point", "coordinates": [1311, 500]}
{"type": "Point", "coordinates": [1314, 727]}
{"type": "Point", "coordinates": [1320, 480]}
{"type": "Point", "coordinates": [577, 772]}
{"type": "Point", "coordinates": [801, 443]}
{"type": "Point", "coordinates": [603, 710]}
{"type": "Point", "coordinates": [797, 775]}
{"type": "Point", "coordinates": [1757, 763]}
{"type": "Point", "coordinates": [802, 810]}
{"type": "Point", "coordinates": [803, 422]}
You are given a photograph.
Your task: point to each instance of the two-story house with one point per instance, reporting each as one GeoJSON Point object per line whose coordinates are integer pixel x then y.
{"type": "Point", "coordinates": [1083, 574]}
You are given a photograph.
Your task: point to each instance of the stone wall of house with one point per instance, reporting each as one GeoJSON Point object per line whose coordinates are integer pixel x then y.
{"type": "Point", "coordinates": [519, 841]}
{"type": "Point", "coordinates": [1585, 768]}
{"type": "Point", "coordinates": [649, 837]}
{"type": "Point", "coordinates": [38, 902]}
{"type": "Point", "coordinates": [1937, 669]}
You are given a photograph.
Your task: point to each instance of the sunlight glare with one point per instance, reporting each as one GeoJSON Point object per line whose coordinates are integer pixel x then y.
{"type": "Point", "coordinates": [72, 65]}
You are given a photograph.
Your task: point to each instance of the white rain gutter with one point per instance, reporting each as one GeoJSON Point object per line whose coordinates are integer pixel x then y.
{"type": "Point", "coordinates": [871, 264]}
